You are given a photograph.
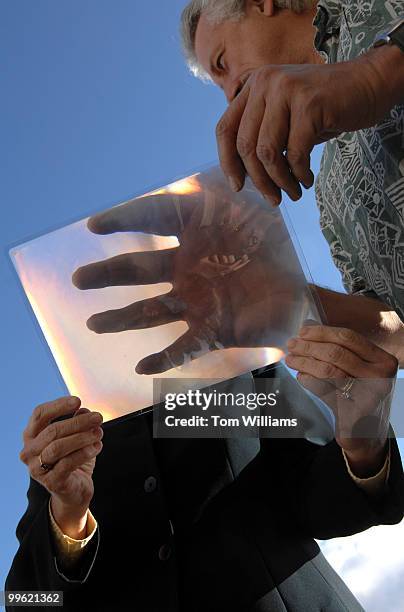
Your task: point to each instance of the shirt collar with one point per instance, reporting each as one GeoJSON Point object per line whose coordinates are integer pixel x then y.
{"type": "Point", "coordinates": [327, 21]}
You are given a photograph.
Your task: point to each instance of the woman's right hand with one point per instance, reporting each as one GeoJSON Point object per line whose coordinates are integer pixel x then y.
{"type": "Point", "coordinates": [69, 448]}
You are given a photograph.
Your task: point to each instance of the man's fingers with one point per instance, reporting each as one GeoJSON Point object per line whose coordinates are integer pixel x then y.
{"type": "Point", "coordinates": [55, 479]}
{"type": "Point", "coordinates": [272, 142]}
{"type": "Point", "coordinates": [349, 339]}
{"type": "Point", "coordinates": [44, 413]}
{"type": "Point", "coordinates": [248, 150]}
{"type": "Point", "coordinates": [226, 136]}
{"type": "Point", "coordinates": [140, 315]}
{"type": "Point", "coordinates": [182, 351]}
{"type": "Point", "coordinates": [129, 269]}
{"type": "Point", "coordinates": [162, 214]}
{"type": "Point", "coordinates": [303, 136]}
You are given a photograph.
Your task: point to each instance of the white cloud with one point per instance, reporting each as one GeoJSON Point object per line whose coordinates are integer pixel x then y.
{"type": "Point", "coordinates": [372, 565]}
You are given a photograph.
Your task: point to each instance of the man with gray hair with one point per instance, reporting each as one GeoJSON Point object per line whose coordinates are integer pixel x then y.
{"type": "Point", "coordinates": [297, 73]}
{"type": "Point", "coordinates": [224, 524]}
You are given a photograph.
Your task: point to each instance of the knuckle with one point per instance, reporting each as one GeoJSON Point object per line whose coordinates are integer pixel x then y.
{"type": "Point", "coordinates": [335, 353]}
{"type": "Point", "coordinates": [64, 467]}
{"type": "Point", "coordinates": [346, 335]}
{"type": "Point", "coordinates": [51, 433]}
{"type": "Point", "coordinates": [38, 413]}
{"type": "Point", "coordinates": [306, 97]}
{"type": "Point", "coordinates": [65, 428]}
{"type": "Point", "coordinates": [222, 128]}
{"type": "Point", "coordinates": [327, 117]}
{"type": "Point", "coordinates": [23, 455]}
{"type": "Point", "coordinates": [296, 158]}
{"type": "Point", "coordinates": [306, 347]}
{"type": "Point", "coordinates": [267, 154]}
{"type": "Point", "coordinates": [54, 450]}
{"type": "Point", "coordinates": [75, 424]}
{"type": "Point", "coordinates": [86, 439]}
{"type": "Point", "coordinates": [392, 364]}
{"type": "Point", "coordinates": [245, 146]}
{"type": "Point", "coordinates": [257, 76]}
{"type": "Point", "coordinates": [262, 75]}
{"type": "Point", "coordinates": [328, 371]}
{"type": "Point", "coordinates": [304, 364]}
{"type": "Point", "coordinates": [89, 451]}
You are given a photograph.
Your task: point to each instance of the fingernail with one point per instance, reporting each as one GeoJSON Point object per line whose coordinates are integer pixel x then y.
{"type": "Point", "coordinates": [308, 184]}
{"type": "Point", "coordinates": [291, 343]}
{"type": "Point", "coordinates": [234, 183]}
{"type": "Point", "coordinates": [72, 401]}
{"type": "Point", "coordinates": [303, 331]}
{"type": "Point", "coordinates": [96, 417]}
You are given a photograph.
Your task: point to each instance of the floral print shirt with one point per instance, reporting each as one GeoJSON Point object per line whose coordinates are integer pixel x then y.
{"type": "Point", "coordinates": [360, 187]}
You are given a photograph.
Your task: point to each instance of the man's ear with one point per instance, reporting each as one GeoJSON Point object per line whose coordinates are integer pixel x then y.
{"type": "Point", "coordinates": [266, 7]}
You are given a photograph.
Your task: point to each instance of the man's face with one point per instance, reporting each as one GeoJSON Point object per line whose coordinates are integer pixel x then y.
{"type": "Point", "coordinates": [231, 50]}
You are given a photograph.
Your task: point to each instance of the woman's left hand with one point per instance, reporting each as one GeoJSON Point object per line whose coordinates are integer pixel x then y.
{"type": "Point", "coordinates": [355, 378]}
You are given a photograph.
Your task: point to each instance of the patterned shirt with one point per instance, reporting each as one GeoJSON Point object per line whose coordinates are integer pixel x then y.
{"type": "Point", "coordinates": [360, 187]}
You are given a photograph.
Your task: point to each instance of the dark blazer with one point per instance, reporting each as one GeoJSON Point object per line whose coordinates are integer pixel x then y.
{"type": "Point", "coordinates": [207, 525]}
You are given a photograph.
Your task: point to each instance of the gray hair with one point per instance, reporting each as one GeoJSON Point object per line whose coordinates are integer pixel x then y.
{"type": "Point", "coordinates": [218, 11]}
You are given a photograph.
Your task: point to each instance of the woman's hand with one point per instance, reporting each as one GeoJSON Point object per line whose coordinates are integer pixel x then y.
{"type": "Point", "coordinates": [355, 378]}
{"type": "Point", "coordinates": [68, 449]}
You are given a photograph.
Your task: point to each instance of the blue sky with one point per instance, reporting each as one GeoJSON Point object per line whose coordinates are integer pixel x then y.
{"type": "Point", "coordinates": [96, 106]}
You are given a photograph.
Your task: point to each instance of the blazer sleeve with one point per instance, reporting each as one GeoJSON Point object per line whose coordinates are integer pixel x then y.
{"type": "Point", "coordinates": [315, 491]}
{"type": "Point", "coordinates": [35, 565]}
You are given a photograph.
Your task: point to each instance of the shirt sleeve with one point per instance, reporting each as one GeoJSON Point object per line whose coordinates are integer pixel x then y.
{"type": "Point", "coordinates": [330, 224]}
{"type": "Point", "coordinates": [70, 550]}
{"type": "Point", "coordinates": [374, 485]}
{"type": "Point", "coordinates": [364, 20]}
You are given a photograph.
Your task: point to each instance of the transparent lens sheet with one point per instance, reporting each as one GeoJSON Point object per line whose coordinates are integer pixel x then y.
{"type": "Point", "coordinates": [189, 281]}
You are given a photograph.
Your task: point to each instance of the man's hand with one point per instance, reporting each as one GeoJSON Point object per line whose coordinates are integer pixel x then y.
{"type": "Point", "coordinates": [283, 111]}
{"type": "Point", "coordinates": [236, 280]}
{"type": "Point", "coordinates": [329, 358]}
{"type": "Point", "coordinates": [70, 447]}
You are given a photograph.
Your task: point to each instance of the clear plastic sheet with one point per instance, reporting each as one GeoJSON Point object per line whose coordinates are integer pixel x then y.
{"type": "Point", "coordinates": [188, 281]}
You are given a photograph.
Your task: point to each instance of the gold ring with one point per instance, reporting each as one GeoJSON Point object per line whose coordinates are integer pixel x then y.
{"type": "Point", "coordinates": [46, 467]}
{"type": "Point", "coordinates": [345, 391]}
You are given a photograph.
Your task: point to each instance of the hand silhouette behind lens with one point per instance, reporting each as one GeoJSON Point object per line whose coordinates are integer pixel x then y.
{"type": "Point", "coordinates": [235, 278]}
